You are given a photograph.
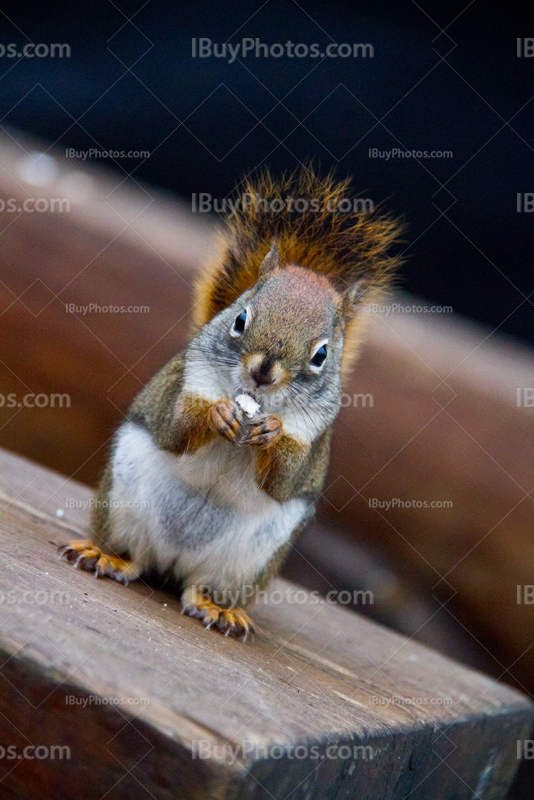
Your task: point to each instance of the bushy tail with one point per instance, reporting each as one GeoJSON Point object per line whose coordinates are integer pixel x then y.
{"type": "Point", "coordinates": [316, 224]}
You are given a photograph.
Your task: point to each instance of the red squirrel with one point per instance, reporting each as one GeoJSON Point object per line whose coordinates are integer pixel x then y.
{"type": "Point", "coordinates": [224, 453]}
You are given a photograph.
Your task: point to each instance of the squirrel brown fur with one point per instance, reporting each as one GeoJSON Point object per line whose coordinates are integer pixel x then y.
{"type": "Point", "coordinates": [343, 247]}
{"type": "Point", "coordinates": [198, 485]}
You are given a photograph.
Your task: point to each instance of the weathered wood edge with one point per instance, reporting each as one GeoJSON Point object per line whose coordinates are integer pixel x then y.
{"type": "Point", "coordinates": [144, 759]}
{"type": "Point", "coordinates": [477, 739]}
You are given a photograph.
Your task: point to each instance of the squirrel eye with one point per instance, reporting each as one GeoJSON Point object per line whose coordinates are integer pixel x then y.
{"type": "Point", "coordinates": [239, 324]}
{"type": "Point", "coordinates": [319, 357]}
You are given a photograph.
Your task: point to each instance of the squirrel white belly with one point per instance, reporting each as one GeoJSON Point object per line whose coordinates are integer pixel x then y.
{"type": "Point", "coordinates": [184, 514]}
{"type": "Point", "coordinates": [225, 451]}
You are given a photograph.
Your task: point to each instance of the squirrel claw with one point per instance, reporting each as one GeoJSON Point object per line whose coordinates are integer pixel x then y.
{"type": "Point", "coordinates": [83, 554]}
{"type": "Point", "coordinates": [265, 431]}
{"type": "Point", "coordinates": [226, 620]}
{"type": "Point", "coordinates": [225, 419]}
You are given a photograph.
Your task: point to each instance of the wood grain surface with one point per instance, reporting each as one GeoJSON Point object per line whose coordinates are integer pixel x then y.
{"type": "Point", "coordinates": [316, 675]}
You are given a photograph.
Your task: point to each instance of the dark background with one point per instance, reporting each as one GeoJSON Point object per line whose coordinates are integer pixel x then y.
{"type": "Point", "coordinates": [443, 77]}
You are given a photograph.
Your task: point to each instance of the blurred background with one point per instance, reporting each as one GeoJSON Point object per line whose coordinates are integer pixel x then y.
{"type": "Point", "coordinates": [116, 117]}
{"type": "Point", "coordinates": [439, 79]}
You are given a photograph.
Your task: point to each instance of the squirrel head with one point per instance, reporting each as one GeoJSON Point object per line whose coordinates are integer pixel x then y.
{"type": "Point", "coordinates": [344, 260]}
{"type": "Point", "coordinates": [282, 340]}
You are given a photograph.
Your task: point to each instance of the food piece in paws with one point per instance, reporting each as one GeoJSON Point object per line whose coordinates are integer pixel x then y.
{"type": "Point", "coordinates": [248, 405]}
{"type": "Point", "coordinates": [250, 409]}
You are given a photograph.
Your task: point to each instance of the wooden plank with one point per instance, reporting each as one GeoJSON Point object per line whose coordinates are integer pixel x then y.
{"type": "Point", "coordinates": [316, 675]}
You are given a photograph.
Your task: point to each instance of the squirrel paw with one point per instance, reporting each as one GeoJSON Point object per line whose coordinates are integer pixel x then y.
{"type": "Point", "coordinates": [265, 430]}
{"type": "Point", "coordinates": [85, 555]}
{"type": "Point", "coordinates": [225, 620]}
{"type": "Point", "coordinates": [225, 419]}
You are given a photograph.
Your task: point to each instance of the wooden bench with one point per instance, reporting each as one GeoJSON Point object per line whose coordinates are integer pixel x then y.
{"type": "Point", "coordinates": [109, 692]}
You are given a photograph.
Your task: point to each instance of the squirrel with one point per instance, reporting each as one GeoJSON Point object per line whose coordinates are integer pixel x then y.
{"type": "Point", "coordinates": [223, 454]}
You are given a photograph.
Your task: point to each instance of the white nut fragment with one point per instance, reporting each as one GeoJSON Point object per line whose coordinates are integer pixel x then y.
{"type": "Point", "coordinates": [247, 404]}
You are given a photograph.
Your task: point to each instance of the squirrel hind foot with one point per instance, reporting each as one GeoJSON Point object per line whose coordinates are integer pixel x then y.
{"type": "Point", "coordinates": [83, 554]}
{"type": "Point", "coordinates": [228, 621]}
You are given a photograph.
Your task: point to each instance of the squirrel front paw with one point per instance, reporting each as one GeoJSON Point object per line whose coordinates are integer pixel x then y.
{"type": "Point", "coordinates": [225, 419]}
{"type": "Point", "coordinates": [264, 430]}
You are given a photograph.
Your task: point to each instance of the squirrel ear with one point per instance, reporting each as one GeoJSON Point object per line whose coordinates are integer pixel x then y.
{"type": "Point", "coordinates": [270, 261]}
{"type": "Point", "coordinates": [352, 296]}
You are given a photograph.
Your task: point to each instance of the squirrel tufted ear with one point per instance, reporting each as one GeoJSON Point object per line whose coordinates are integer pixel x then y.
{"type": "Point", "coordinates": [352, 296]}
{"type": "Point", "coordinates": [270, 261]}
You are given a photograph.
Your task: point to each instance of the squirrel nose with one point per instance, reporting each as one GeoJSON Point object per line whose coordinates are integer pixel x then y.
{"type": "Point", "coordinates": [262, 374]}
{"type": "Point", "coordinates": [260, 378]}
